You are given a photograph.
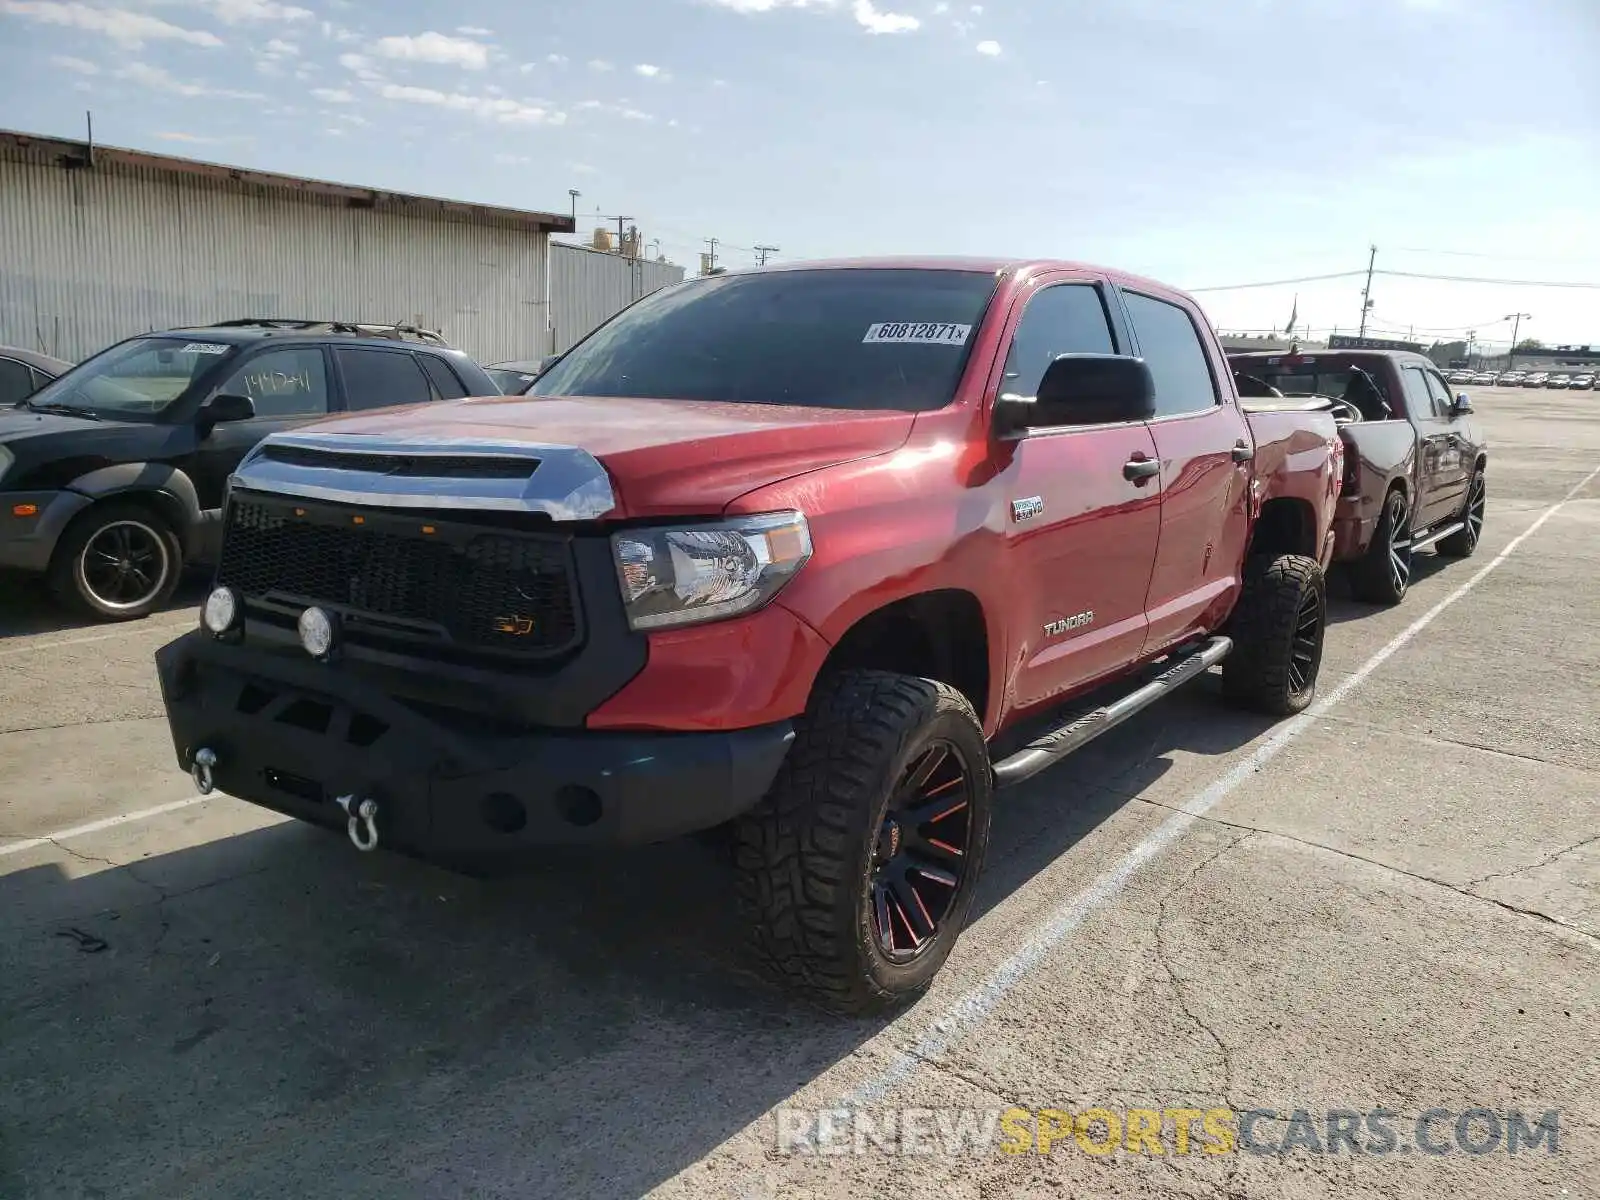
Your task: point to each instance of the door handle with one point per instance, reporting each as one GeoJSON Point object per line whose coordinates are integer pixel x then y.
{"type": "Point", "coordinates": [1243, 452]}
{"type": "Point", "coordinates": [1138, 470]}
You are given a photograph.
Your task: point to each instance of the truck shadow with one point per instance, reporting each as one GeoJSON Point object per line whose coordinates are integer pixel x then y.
{"type": "Point", "coordinates": [1343, 606]}
{"type": "Point", "coordinates": [27, 607]}
{"type": "Point", "coordinates": [270, 1012]}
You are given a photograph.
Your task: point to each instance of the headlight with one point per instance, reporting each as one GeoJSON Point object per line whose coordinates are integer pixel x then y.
{"type": "Point", "coordinates": [702, 572]}
{"type": "Point", "coordinates": [6, 459]}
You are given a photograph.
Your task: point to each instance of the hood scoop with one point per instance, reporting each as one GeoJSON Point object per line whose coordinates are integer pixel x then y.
{"type": "Point", "coordinates": [566, 483]}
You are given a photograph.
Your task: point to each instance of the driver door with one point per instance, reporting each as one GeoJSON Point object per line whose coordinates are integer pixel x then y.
{"type": "Point", "coordinates": [289, 386]}
{"type": "Point", "coordinates": [1083, 506]}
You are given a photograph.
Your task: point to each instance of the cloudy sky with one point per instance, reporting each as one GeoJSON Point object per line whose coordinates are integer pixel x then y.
{"type": "Point", "coordinates": [1204, 142]}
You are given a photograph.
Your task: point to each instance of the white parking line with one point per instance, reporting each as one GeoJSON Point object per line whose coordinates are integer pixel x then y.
{"type": "Point", "coordinates": [124, 631]}
{"type": "Point", "coordinates": [973, 1007]}
{"type": "Point", "coordinates": [61, 835]}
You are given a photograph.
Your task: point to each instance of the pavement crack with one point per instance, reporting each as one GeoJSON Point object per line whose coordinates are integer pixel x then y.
{"type": "Point", "coordinates": [944, 1068]}
{"type": "Point", "coordinates": [1230, 1180]}
{"type": "Point", "coordinates": [1462, 743]}
{"type": "Point", "coordinates": [1543, 862]}
{"type": "Point", "coordinates": [1178, 986]}
{"type": "Point", "coordinates": [1457, 888]}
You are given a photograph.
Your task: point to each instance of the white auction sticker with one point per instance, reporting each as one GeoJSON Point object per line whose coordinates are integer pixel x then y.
{"type": "Point", "coordinates": [932, 333]}
{"type": "Point", "coordinates": [206, 348]}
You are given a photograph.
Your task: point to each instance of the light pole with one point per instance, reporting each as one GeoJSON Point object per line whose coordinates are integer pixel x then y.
{"type": "Point", "coordinates": [574, 193]}
{"type": "Point", "coordinates": [1516, 320]}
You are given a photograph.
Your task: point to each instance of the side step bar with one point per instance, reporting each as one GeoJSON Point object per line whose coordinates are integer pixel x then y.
{"type": "Point", "coordinates": [1058, 743]}
{"type": "Point", "coordinates": [1437, 535]}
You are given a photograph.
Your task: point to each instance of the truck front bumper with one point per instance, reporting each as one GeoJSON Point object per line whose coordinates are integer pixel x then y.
{"type": "Point", "coordinates": [294, 737]}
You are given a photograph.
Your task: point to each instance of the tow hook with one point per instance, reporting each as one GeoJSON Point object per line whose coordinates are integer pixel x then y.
{"type": "Point", "coordinates": [205, 759]}
{"type": "Point", "coordinates": [363, 824]}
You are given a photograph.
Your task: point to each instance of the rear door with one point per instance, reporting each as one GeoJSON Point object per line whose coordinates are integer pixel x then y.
{"type": "Point", "coordinates": [1081, 524]}
{"type": "Point", "coordinates": [1205, 449]}
{"type": "Point", "coordinates": [1435, 470]}
{"type": "Point", "coordinates": [374, 377]}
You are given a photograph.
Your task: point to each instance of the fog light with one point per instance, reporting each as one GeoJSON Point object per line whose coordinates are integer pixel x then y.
{"type": "Point", "coordinates": [221, 611]}
{"type": "Point", "coordinates": [316, 632]}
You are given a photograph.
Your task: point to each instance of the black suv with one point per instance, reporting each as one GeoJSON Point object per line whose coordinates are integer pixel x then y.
{"type": "Point", "coordinates": [112, 476]}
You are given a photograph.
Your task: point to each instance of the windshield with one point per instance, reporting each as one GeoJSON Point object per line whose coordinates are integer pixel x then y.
{"type": "Point", "coordinates": [136, 380]}
{"type": "Point", "coordinates": [510, 383]}
{"type": "Point", "coordinates": [844, 338]}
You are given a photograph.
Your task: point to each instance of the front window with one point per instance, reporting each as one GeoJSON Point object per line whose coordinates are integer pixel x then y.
{"type": "Point", "coordinates": [136, 380]}
{"type": "Point", "coordinates": [846, 338]}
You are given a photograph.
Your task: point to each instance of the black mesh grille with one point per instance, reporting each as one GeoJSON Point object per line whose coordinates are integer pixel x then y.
{"type": "Point", "coordinates": [484, 590]}
{"type": "Point", "coordinates": [451, 466]}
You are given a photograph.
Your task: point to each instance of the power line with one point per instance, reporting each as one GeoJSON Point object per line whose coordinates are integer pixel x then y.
{"type": "Point", "coordinates": [1568, 283]}
{"type": "Point", "coordinates": [1235, 287]}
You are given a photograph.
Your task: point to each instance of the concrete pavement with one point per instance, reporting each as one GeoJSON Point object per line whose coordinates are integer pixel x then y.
{"type": "Point", "coordinates": [1397, 907]}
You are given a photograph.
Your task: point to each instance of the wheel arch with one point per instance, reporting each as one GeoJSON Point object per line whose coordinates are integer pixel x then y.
{"type": "Point", "coordinates": [941, 634]}
{"type": "Point", "coordinates": [1285, 525]}
{"type": "Point", "coordinates": [164, 488]}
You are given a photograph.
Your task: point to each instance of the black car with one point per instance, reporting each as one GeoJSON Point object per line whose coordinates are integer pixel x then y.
{"type": "Point", "coordinates": [112, 476]}
{"type": "Point", "coordinates": [23, 372]}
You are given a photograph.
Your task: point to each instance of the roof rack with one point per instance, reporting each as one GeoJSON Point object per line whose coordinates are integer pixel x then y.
{"type": "Point", "coordinates": [397, 332]}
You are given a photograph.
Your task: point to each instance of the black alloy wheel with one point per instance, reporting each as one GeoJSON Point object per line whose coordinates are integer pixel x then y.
{"type": "Point", "coordinates": [1464, 541]}
{"type": "Point", "coordinates": [1305, 651]}
{"type": "Point", "coordinates": [1399, 547]}
{"type": "Point", "coordinates": [920, 856]}
{"type": "Point", "coordinates": [125, 565]}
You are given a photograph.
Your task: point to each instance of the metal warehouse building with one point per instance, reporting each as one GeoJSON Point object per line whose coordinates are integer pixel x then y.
{"type": "Point", "coordinates": [99, 243]}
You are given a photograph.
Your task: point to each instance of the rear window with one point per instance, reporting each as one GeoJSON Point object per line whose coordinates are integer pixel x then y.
{"type": "Point", "coordinates": [1332, 379]}
{"type": "Point", "coordinates": [842, 338]}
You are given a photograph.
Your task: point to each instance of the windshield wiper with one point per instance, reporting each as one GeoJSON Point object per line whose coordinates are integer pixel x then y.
{"type": "Point", "coordinates": [65, 410]}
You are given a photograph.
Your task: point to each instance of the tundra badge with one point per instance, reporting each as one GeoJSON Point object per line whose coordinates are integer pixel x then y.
{"type": "Point", "coordinates": [1067, 624]}
{"type": "Point", "coordinates": [1027, 508]}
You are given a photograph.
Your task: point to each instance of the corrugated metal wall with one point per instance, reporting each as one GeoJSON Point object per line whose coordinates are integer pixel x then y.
{"type": "Point", "coordinates": [90, 256]}
{"type": "Point", "coordinates": [590, 285]}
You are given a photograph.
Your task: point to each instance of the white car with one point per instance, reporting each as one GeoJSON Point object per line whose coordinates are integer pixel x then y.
{"type": "Point", "coordinates": [1582, 382]}
{"type": "Point", "coordinates": [1483, 379]}
{"type": "Point", "coordinates": [1558, 381]}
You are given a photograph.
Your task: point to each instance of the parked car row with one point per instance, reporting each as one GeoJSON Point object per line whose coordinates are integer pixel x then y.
{"type": "Point", "coordinates": [1545, 379]}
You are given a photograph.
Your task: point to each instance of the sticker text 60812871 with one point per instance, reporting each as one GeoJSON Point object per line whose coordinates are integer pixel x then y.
{"type": "Point", "coordinates": [928, 333]}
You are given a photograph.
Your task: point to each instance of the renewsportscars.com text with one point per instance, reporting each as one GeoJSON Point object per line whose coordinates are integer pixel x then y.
{"type": "Point", "coordinates": [1106, 1131]}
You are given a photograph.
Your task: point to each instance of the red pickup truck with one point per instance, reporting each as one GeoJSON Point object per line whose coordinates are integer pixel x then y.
{"type": "Point", "coordinates": [786, 551]}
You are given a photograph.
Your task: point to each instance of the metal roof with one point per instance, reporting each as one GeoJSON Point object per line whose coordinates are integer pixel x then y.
{"type": "Point", "coordinates": [76, 155]}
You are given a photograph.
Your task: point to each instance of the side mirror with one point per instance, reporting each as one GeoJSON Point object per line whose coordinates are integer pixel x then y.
{"type": "Point", "coordinates": [225, 407]}
{"type": "Point", "coordinates": [1081, 389]}
{"type": "Point", "coordinates": [1462, 406]}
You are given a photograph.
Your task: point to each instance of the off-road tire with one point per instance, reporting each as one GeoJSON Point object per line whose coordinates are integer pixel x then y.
{"type": "Point", "coordinates": [1268, 629]}
{"type": "Point", "coordinates": [803, 855]}
{"type": "Point", "coordinates": [67, 576]}
{"type": "Point", "coordinates": [1462, 543]}
{"type": "Point", "coordinates": [1374, 576]}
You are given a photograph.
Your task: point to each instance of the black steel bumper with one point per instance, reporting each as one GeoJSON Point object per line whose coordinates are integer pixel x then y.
{"type": "Point", "coordinates": [295, 736]}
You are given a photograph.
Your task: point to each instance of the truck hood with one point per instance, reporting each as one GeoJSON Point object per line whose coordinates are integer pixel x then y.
{"type": "Point", "coordinates": [663, 456]}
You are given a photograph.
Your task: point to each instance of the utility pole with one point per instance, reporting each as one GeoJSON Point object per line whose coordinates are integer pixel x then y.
{"type": "Point", "coordinates": [1366, 292]}
{"type": "Point", "coordinates": [620, 221]}
{"type": "Point", "coordinates": [1472, 336]}
{"type": "Point", "coordinates": [711, 261]}
{"type": "Point", "coordinates": [1516, 320]}
{"type": "Point", "coordinates": [763, 251]}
